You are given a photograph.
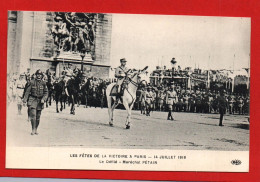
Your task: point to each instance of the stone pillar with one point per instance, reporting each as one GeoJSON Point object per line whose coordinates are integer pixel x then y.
{"type": "Point", "coordinates": [19, 41]}
{"type": "Point", "coordinates": [103, 39]}
{"type": "Point", "coordinates": [43, 46]}
{"type": "Point", "coordinates": [26, 29]}
{"type": "Point", "coordinates": [11, 47]}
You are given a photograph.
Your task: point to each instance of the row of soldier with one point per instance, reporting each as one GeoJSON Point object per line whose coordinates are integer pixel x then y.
{"type": "Point", "coordinates": [186, 100]}
{"type": "Point", "coordinates": [157, 98]}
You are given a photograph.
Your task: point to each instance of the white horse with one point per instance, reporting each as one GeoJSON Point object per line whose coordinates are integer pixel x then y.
{"type": "Point", "coordinates": [128, 97]}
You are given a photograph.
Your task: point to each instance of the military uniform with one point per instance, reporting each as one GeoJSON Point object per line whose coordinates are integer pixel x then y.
{"type": "Point", "coordinates": [35, 95]}
{"type": "Point", "coordinates": [222, 103]}
{"type": "Point", "coordinates": [171, 97]}
{"type": "Point", "coordinates": [120, 74]}
{"type": "Point", "coordinates": [68, 74]}
{"type": "Point", "coordinates": [149, 97]}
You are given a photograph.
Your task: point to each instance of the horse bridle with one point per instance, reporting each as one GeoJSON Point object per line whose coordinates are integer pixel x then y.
{"type": "Point", "coordinates": [133, 82]}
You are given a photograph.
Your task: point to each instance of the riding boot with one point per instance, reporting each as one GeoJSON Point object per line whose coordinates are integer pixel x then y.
{"type": "Point", "coordinates": [171, 118]}
{"type": "Point", "coordinates": [168, 118]}
{"type": "Point", "coordinates": [33, 123]}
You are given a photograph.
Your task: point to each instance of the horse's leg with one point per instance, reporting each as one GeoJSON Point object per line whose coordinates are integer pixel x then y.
{"type": "Point", "coordinates": [102, 102]}
{"type": "Point", "coordinates": [113, 108]}
{"type": "Point", "coordinates": [60, 99]}
{"type": "Point", "coordinates": [110, 111]}
{"type": "Point", "coordinates": [72, 105]}
{"type": "Point", "coordinates": [64, 101]}
{"type": "Point", "coordinates": [86, 98]}
{"type": "Point", "coordinates": [46, 102]}
{"type": "Point", "coordinates": [128, 109]}
{"type": "Point", "coordinates": [57, 105]}
{"type": "Point", "coordinates": [50, 99]}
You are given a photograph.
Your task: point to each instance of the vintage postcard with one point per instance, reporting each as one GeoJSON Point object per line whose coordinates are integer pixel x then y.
{"type": "Point", "coordinates": [100, 91]}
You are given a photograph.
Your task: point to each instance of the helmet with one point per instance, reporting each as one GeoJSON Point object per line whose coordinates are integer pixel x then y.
{"type": "Point", "coordinates": [38, 72]}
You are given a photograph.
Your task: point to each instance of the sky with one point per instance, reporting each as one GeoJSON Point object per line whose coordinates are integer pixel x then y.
{"type": "Point", "coordinates": [204, 42]}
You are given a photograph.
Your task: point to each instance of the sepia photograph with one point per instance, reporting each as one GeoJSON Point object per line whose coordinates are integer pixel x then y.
{"type": "Point", "coordinates": [133, 89]}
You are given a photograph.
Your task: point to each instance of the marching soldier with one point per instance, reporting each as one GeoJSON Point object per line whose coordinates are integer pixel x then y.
{"type": "Point", "coordinates": [149, 99]}
{"type": "Point", "coordinates": [142, 99]}
{"type": "Point", "coordinates": [171, 97]}
{"type": "Point", "coordinates": [35, 96]}
{"type": "Point", "coordinates": [120, 74]}
{"type": "Point", "coordinates": [222, 103]}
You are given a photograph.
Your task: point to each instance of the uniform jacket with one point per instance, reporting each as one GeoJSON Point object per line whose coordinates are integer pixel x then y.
{"type": "Point", "coordinates": [171, 95]}
{"type": "Point", "coordinates": [222, 103]}
{"type": "Point", "coordinates": [120, 72]}
{"type": "Point", "coordinates": [35, 92]}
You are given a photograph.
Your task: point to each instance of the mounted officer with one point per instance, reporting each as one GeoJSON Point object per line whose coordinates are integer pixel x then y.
{"type": "Point", "coordinates": [35, 96]}
{"type": "Point", "coordinates": [120, 74]}
{"type": "Point", "coordinates": [68, 73]}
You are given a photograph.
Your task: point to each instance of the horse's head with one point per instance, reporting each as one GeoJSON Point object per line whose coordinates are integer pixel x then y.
{"type": "Point", "coordinates": [135, 76]}
{"type": "Point", "coordinates": [141, 74]}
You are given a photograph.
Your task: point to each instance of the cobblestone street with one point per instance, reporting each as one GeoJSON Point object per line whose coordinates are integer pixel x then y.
{"type": "Point", "coordinates": [89, 128]}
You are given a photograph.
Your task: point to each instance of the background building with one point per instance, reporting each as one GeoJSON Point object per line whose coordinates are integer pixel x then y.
{"type": "Point", "coordinates": [31, 43]}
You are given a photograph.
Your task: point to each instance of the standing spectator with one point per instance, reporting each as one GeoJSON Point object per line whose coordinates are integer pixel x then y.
{"type": "Point", "coordinates": [20, 85]}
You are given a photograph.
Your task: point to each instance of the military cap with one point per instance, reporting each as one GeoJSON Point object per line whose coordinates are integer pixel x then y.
{"type": "Point", "coordinates": [122, 60]}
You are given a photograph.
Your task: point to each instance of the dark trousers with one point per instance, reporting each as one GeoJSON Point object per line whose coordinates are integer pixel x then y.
{"type": "Point", "coordinates": [35, 117]}
{"type": "Point", "coordinates": [221, 112]}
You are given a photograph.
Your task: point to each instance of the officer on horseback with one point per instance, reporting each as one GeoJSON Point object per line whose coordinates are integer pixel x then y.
{"type": "Point", "coordinates": [120, 74]}
{"type": "Point", "coordinates": [68, 73]}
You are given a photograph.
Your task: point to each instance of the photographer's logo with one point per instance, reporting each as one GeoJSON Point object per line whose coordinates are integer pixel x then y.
{"type": "Point", "coordinates": [236, 162]}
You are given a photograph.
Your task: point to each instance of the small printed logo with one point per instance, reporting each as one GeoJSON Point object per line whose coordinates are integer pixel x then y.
{"type": "Point", "coordinates": [236, 162]}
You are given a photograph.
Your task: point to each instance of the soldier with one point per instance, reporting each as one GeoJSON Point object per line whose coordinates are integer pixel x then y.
{"type": "Point", "coordinates": [95, 83]}
{"type": "Point", "coordinates": [149, 99]}
{"type": "Point", "coordinates": [20, 85]}
{"type": "Point", "coordinates": [240, 105]}
{"type": "Point", "coordinates": [171, 97]}
{"type": "Point", "coordinates": [186, 102]}
{"type": "Point", "coordinates": [68, 73]}
{"type": "Point", "coordinates": [120, 74]}
{"type": "Point", "coordinates": [142, 99]}
{"type": "Point", "coordinates": [222, 103]}
{"type": "Point", "coordinates": [35, 96]}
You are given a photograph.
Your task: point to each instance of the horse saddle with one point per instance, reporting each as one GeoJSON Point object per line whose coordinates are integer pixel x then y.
{"type": "Point", "coordinates": [114, 90]}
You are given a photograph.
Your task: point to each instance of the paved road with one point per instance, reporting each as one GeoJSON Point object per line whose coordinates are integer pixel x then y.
{"type": "Point", "coordinates": [89, 128]}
